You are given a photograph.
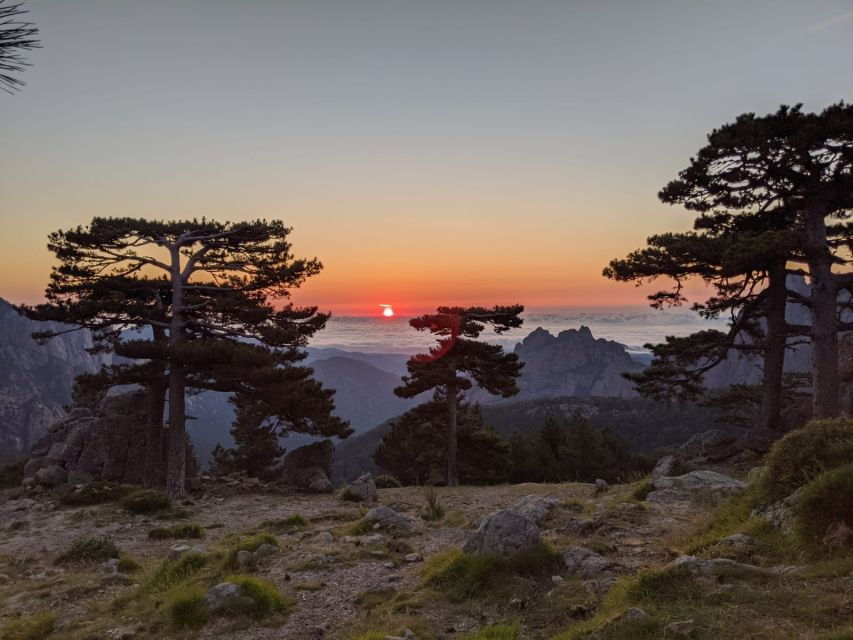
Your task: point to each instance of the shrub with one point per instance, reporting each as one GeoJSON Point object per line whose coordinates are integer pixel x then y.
{"type": "Point", "coordinates": [461, 576]}
{"type": "Point", "coordinates": [262, 598]}
{"type": "Point", "coordinates": [96, 493]}
{"type": "Point", "coordinates": [825, 510]}
{"type": "Point", "coordinates": [496, 632]}
{"type": "Point", "coordinates": [386, 481]}
{"type": "Point", "coordinates": [178, 531]}
{"type": "Point", "coordinates": [12, 474]}
{"type": "Point", "coordinates": [803, 454]}
{"type": "Point", "coordinates": [433, 510]}
{"type": "Point", "coordinates": [32, 627]}
{"type": "Point", "coordinates": [283, 524]}
{"type": "Point", "coordinates": [254, 542]}
{"type": "Point", "coordinates": [146, 501]}
{"type": "Point", "coordinates": [174, 572]}
{"type": "Point", "coordinates": [126, 564]}
{"type": "Point", "coordinates": [186, 608]}
{"type": "Point", "coordinates": [642, 490]}
{"type": "Point", "coordinates": [90, 550]}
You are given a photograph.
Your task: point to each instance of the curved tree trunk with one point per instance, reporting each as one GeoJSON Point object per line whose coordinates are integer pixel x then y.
{"type": "Point", "coordinates": [452, 439]}
{"type": "Point", "coordinates": [824, 319]}
{"type": "Point", "coordinates": [774, 348]}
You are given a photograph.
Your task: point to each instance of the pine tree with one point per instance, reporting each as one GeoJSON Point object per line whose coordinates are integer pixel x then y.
{"type": "Point", "coordinates": [16, 37]}
{"type": "Point", "coordinates": [459, 360]}
{"type": "Point", "coordinates": [204, 289]}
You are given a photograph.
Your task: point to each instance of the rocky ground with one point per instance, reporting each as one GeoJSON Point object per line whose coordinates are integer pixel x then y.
{"type": "Point", "coordinates": [347, 578]}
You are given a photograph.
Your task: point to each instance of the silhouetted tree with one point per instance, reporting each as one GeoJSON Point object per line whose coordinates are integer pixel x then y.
{"type": "Point", "coordinates": [204, 288]}
{"type": "Point", "coordinates": [15, 38]}
{"type": "Point", "coordinates": [414, 449]}
{"type": "Point", "coordinates": [459, 360]}
{"type": "Point", "coordinates": [798, 166]}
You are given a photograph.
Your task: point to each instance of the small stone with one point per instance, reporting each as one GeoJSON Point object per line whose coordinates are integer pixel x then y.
{"type": "Point", "coordinates": [557, 579]}
{"type": "Point", "coordinates": [373, 538]}
{"type": "Point", "coordinates": [601, 485]}
{"type": "Point", "coordinates": [681, 628]}
{"type": "Point", "coordinates": [178, 550]}
{"type": "Point", "coordinates": [221, 595]}
{"type": "Point", "coordinates": [413, 557]}
{"type": "Point", "coordinates": [245, 558]}
{"type": "Point", "coordinates": [325, 536]}
{"type": "Point", "coordinates": [110, 566]}
{"type": "Point", "coordinates": [266, 549]}
{"type": "Point", "coordinates": [633, 614]}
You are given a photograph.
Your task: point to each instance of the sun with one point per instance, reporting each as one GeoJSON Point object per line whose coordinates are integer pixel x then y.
{"type": "Point", "coordinates": [387, 311]}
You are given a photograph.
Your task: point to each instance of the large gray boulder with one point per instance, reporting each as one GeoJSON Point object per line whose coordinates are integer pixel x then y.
{"type": "Point", "coordinates": [693, 485]}
{"type": "Point", "coordinates": [51, 476]}
{"type": "Point", "coordinates": [535, 508]}
{"type": "Point", "coordinates": [362, 489]}
{"type": "Point", "coordinates": [225, 596]}
{"type": "Point", "coordinates": [712, 445]}
{"type": "Point", "coordinates": [503, 533]}
{"type": "Point", "coordinates": [665, 467]}
{"type": "Point", "coordinates": [386, 519]}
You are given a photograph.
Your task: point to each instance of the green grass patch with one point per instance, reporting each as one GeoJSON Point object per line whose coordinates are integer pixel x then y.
{"type": "Point", "coordinates": [90, 549]}
{"type": "Point", "coordinates": [360, 528]}
{"type": "Point", "coordinates": [496, 632]}
{"type": "Point", "coordinates": [261, 598]}
{"type": "Point", "coordinates": [285, 524]}
{"type": "Point", "coordinates": [32, 627]}
{"type": "Point", "coordinates": [460, 576]}
{"type": "Point", "coordinates": [824, 512]}
{"type": "Point", "coordinates": [642, 490]}
{"type": "Point", "coordinates": [96, 493]}
{"type": "Point", "coordinates": [126, 564]}
{"type": "Point", "coordinates": [181, 531]}
{"type": "Point", "coordinates": [174, 572]}
{"type": "Point", "coordinates": [186, 608]}
{"type": "Point", "coordinates": [146, 501]}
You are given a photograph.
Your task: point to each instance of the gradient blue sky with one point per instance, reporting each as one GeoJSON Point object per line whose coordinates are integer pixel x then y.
{"type": "Point", "coordinates": [430, 151]}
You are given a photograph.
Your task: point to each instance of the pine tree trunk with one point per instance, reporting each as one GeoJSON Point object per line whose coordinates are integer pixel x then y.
{"type": "Point", "coordinates": [154, 433]}
{"type": "Point", "coordinates": [177, 457]}
{"type": "Point", "coordinates": [823, 318]}
{"type": "Point", "coordinates": [774, 348]}
{"type": "Point", "coordinates": [452, 443]}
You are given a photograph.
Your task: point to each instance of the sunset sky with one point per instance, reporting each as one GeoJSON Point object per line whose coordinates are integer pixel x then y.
{"type": "Point", "coordinates": [427, 151]}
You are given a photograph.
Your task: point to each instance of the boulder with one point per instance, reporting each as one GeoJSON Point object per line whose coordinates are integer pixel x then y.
{"type": "Point", "coordinates": [584, 563]}
{"type": "Point", "coordinates": [702, 483]}
{"type": "Point", "coordinates": [503, 533]}
{"type": "Point", "coordinates": [386, 519]}
{"type": "Point", "coordinates": [51, 476]}
{"type": "Point", "coordinates": [719, 567]}
{"type": "Point", "coordinates": [362, 489]}
{"type": "Point", "coordinates": [535, 508]}
{"type": "Point", "coordinates": [712, 445]}
{"type": "Point", "coordinates": [600, 485]}
{"type": "Point", "coordinates": [665, 467]}
{"type": "Point", "coordinates": [224, 596]}
{"type": "Point", "coordinates": [310, 467]}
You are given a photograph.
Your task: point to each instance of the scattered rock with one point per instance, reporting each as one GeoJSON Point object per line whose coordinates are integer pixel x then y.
{"type": "Point", "coordinates": [310, 467]}
{"type": "Point", "coordinates": [110, 566]}
{"type": "Point", "coordinates": [178, 550]}
{"type": "Point", "coordinates": [266, 549]}
{"type": "Point", "coordinates": [503, 533]}
{"type": "Point", "coordinates": [413, 557]}
{"type": "Point", "coordinates": [245, 558]}
{"type": "Point", "coordinates": [535, 508]}
{"type": "Point", "coordinates": [631, 615]}
{"type": "Point", "coordinates": [362, 489]}
{"type": "Point", "coordinates": [386, 519]}
{"type": "Point", "coordinates": [719, 567]}
{"type": "Point", "coordinates": [600, 485]}
{"type": "Point", "coordinates": [682, 628]}
{"type": "Point", "coordinates": [51, 476]}
{"type": "Point", "coordinates": [223, 596]}
{"type": "Point", "coordinates": [585, 563]}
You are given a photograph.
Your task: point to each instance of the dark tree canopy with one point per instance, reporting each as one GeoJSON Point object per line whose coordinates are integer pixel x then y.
{"type": "Point", "coordinates": [16, 36]}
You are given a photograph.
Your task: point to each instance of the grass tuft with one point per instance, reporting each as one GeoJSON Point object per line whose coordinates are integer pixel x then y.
{"type": "Point", "coordinates": [496, 632]}
{"type": "Point", "coordinates": [90, 549]}
{"type": "Point", "coordinates": [178, 531]}
{"type": "Point", "coordinates": [261, 598]}
{"type": "Point", "coordinates": [186, 608]}
{"type": "Point", "coordinates": [434, 510]}
{"type": "Point", "coordinates": [96, 493]}
{"type": "Point", "coordinates": [173, 572]}
{"type": "Point", "coordinates": [31, 627]}
{"type": "Point", "coordinates": [285, 524]}
{"type": "Point", "coordinates": [146, 501]}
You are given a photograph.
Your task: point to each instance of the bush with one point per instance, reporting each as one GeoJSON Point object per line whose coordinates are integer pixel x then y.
{"type": "Point", "coordinates": [433, 510]}
{"type": "Point", "coordinates": [12, 474]}
{"type": "Point", "coordinates": [96, 493]}
{"type": "Point", "coordinates": [253, 543]}
{"type": "Point", "coordinates": [173, 572]}
{"type": "Point", "coordinates": [187, 609]}
{"type": "Point", "coordinates": [283, 524]}
{"type": "Point", "coordinates": [803, 454]}
{"type": "Point", "coordinates": [824, 511]}
{"type": "Point", "coordinates": [90, 550]}
{"type": "Point", "coordinates": [642, 490]}
{"type": "Point", "coordinates": [386, 481]}
{"type": "Point", "coordinates": [461, 576]}
{"type": "Point", "coordinates": [263, 598]}
{"type": "Point", "coordinates": [178, 531]}
{"type": "Point", "coordinates": [146, 501]}
{"type": "Point", "coordinates": [32, 627]}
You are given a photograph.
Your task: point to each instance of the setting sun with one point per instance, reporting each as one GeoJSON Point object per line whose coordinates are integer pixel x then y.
{"type": "Point", "coordinates": [387, 311]}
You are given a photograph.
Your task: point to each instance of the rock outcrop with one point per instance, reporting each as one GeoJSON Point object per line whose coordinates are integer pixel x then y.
{"type": "Point", "coordinates": [535, 508]}
{"type": "Point", "coordinates": [703, 484]}
{"type": "Point", "coordinates": [573, 363]}
{"type": "Point", "coordinates": [386, 519]}
{"type": "Point", "coordinates": [310, 467]}
{"type": "Point", "coordinates": [108, 446]}
{"type": "Point", "coordinates": [362, 489]}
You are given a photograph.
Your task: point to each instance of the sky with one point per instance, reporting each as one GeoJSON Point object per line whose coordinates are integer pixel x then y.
{"type": "Point", "coordinates": [426, 151]}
